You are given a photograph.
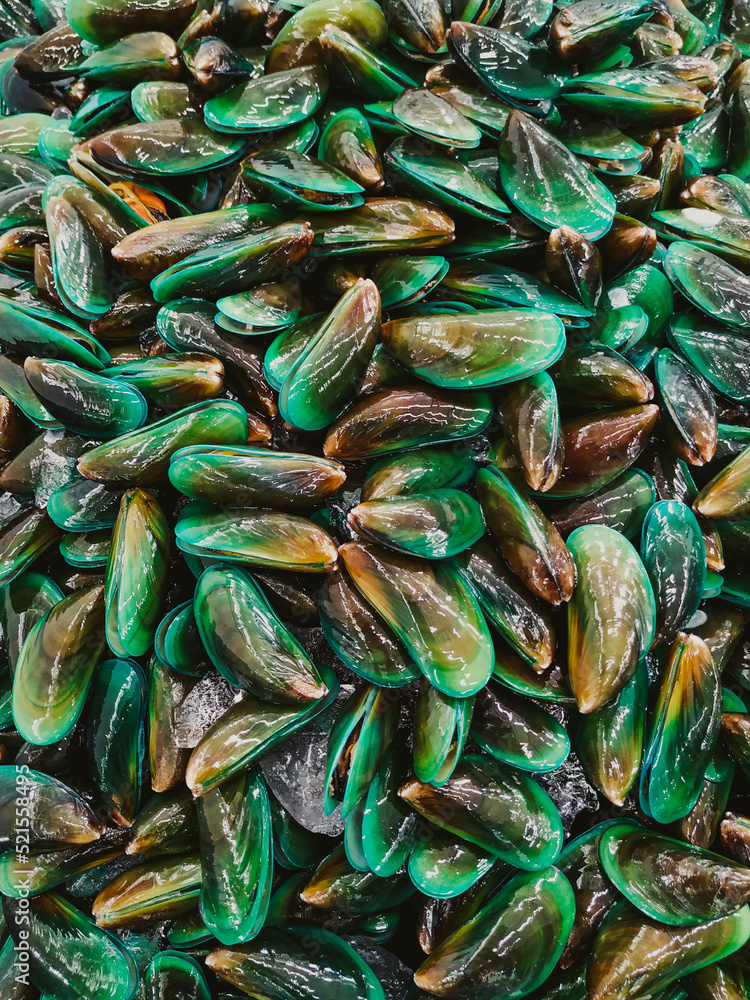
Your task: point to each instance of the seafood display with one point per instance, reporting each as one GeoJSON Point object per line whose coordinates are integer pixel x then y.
{"type": "Point", "coordinates": [374, 499]}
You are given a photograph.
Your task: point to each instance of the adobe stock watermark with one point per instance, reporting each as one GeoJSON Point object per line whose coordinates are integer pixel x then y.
{"type": "Point", "coordinates": [21, 841]}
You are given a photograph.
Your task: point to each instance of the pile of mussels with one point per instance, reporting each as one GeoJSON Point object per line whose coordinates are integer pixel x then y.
{"type": "Point", "coordinates": [375, 513]}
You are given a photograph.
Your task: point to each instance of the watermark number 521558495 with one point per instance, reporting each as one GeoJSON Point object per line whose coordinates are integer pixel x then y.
{"type": "Point", "coordinates": [24, 868]}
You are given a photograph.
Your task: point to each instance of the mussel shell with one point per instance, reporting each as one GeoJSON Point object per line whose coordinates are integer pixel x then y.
{"type": "Point", "coordinates": [726, 298]}
{"type": "Point", "coordinates": [382, 225]}
{"type": "Point", "coordinates": [142, 457]}
{"type": "Point", "coordinates": [147, 252]}
{"type": "Point", "coordinates": [40, 871]}
{"type": "Point", "coordinates": [173, 381]}
{"type": "Point", "coordinates": [166, 692]}
{"type": "Point", "coordinates": [83, 505]}
{"type": "Point", "coordinates": [635, 956]}
{"type": "Point", "coordinates": [397, 419]}
{"type": "Point", "coordinates": [297, 180]}
{"type": "Point", "coordinates": [595, 896]}
{"type": "Point", "coordinates": [153, 100]}
{"type": "Point", "coordinates": [530, 544]}
{"type": "Point", "coordinates": [562, 192]}
{"type": "Point", "coordinates": [726, 495]}
{"type": "Point", "coordinates": [25, 601]}
{"type": "Point", "coordinates": [298, 42]}
{"type": "Point", "coordinates": [689, 408]}
{"type": "Point", "coordinates": [23, 537]}
{"type": "Point", "coordinates": [335, 885]}
{"type": "Point", "coordinates": [41, 330]}
{"type": "Point", "coordinates": [481, 348]}
{"type": "Point", "coordinates": [258, 535]}
{"type": "Point", "coordinates": [510, 947]}
{"type": "Point", "coordinates": [166, 825]}
{"type": "Point", "coordinates": [68, 953]}
{"type": "Point", "coordinates": [505, 63]}
{"type": "Point", "coordinates": [116, 737]}
{"type": "Point", "coordinates": [597, 375]}
{"type": "Point", "coordinates": [254, 477]}
{"type": "Point", "coordinates": [529, 414]}
{"type": "Point", "coordinates": [443, 866]}
{"type": "Point", "coordinates": [418, 471]}
{"type": "Point", "coordinates": [58, 816]}
{"type": "Point", "coordinates": [494, 806]}
{"type": "Point", "coordinates": [426, 113]}
{"type": "Point", "coordinates": [170, 973]}
{"type": "Point", "coordinates": [347, 143]}
{"type": "Point", "coordinates": [309, 955]}
{"type": "Point", "coordinates": [234, 824]}
{"type": "Point", "coordinates": [650, 98]}
{"type": "Point", "coordinates": [85, 403]}
{"type": "Point", "coordinates": [360, 637]}
{"type": "Point", "coordinates": [434, 525]}
{"type": "Point", "coordinates": [447, 181]}
{"type": "Point", "coordinates": [247, 730]}
{"type": "Point", "coordinates": [670, 881]}
{"type": "Point", "coordinates": [56, 665]}
{"type": "Point", "coordinates": [236, 265]}
{"type": "Point", "coordinates": [332, 365]}
{"type": "Point", "coordinates": [246, 641]}
{"type": "Point", "coordinates": [136, 577]}
{"type": "Point", "coordinates": [441, 727]}
{"type": "Point", "coordinates": [612, 587]}
{"type": "Point", "coordinates": [600, 446]}
{"type": "Point", "coordinates": [721, 980]}
{"type": "Point", "coordinates": [684, 727]}
{"type": "Point", "coordinates": [156, 889]}
{"type": "Point", "coordinates": [519, 617]}
{"type": "Point", "coordinates": [166, 147]}
{"type": "Point", "coordinates": [609, 740]}
{"type": "Point", "coordinates": [621, 505]}
{"type": "Point", "coordinates": [389, 827]}
{"type": "Point", "coordinates": [431, 610]}
{"type": "Point", "coordinates": [357, 745]}
{"type": "Point", "coordinates": [674, 555]}
{"type": "Point", "coordinates": [516, 731]}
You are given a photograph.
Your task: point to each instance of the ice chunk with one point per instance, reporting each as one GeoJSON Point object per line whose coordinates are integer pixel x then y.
{"type": "Point", "coordinates": [394, 976]}
{"type": "Point", "coordinates": [295, 771]}
{"type": "Point", "coordinates": [206, 703]}
{"type": "Point", "coordinates": [570, 790]}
